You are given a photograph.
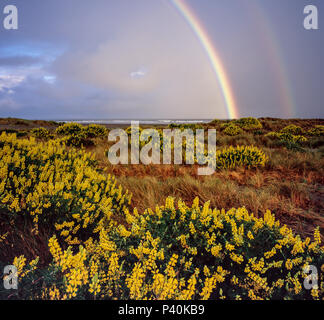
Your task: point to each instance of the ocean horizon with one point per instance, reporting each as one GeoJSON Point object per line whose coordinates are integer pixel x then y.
{"type": "Point", "coordinates": [128, 121]}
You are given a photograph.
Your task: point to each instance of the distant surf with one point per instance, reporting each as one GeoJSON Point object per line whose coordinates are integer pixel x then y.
{"type": "Point", "coordinates": [128, 121]}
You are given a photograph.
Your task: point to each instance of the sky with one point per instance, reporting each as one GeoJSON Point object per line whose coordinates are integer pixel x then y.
{"type": "Point", "coordinates": [141, 59]}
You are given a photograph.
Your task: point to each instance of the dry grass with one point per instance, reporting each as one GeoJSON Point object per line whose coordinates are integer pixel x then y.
{"type": "Point", "coordinates": [291, 185]}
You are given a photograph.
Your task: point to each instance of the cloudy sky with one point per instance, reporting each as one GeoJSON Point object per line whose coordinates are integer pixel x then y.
{"type": "Point", "coordinates": [140, 59]}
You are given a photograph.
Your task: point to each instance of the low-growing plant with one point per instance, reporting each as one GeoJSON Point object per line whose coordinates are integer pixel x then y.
{"type": "Point", "coordinates": [240, 156]}
{"type": "Point", "coordinates": [40, 133]}
{"type": "Point", "coordinates": [52, 185]}
{"type": "Point", "coordinates": [96, 130]}
{"type": "Point", "coordinates": [180, 252]}
{"type": "Point", "coordinates": [183, 126]}
{"type": "Point", "coordinates": [292, 130]}
{"type": "Point", "coordinates": [70, 128]}
{"type": "Point", "coordinates": [317, 131]}
{"type": "Point", "coordinates": [232, 130]}
{"type": "Point", "coordinates": [74, 134]}
{"type": "Point", "coordinates": [249, 123]}
{"type": "Point", "coordinates": [77, 139]}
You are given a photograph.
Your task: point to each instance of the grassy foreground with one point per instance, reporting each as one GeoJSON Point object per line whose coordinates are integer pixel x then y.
{"type": "Point", "coordinates": [78, 227]}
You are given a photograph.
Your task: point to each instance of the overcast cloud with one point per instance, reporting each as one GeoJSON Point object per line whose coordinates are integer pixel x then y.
{"type": "Point", "coordinates": [140, 59]}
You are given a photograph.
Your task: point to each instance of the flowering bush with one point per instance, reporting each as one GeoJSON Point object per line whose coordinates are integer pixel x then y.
{"type": "Point", "coordinates": [232, 130]}
{"type": "Point", "coordinates": [54, 185]}
{"type": "Point", "coordinates": [181, 252]}
{"type": "Point", "coordinates": [240, 156]}
{"type": "Point", "coordinates": [95, 130]}
{"type": "Point", "coordinates": [287, 137]}
{"type": "Point", "coordinates": [67, 129]}
{"type": "Point", "coordinates": [40, 133]}
{"type": "Point", "coordinates": [249, 123]}
{"type": "Point", "coordinates": [317, 131]}
{"type": "Point", "coordinates": [74, 134]}
{"type": "Point", "coordinates": [183, 126]}
{"type": "Point", "coordinates": [292, 129]}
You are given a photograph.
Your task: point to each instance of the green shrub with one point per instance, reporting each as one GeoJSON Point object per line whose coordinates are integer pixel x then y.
{"type": "Point", "coordinates": [180, 252]}
{"type": "Point", "coordinates": [292, 129]}
{"type": "Point", "coordinates": [74, 134]}
{"type": "Point", "coordinates": [317, 131]}
{"type": "Point", "coordinates": [40, 133]}
{"type": "Point", "coordinates": [288, 140]}
{"type": "Point", "coordinates": [214, 122]}
{"type": "Point", "coordinates": [286, 136]}
{"type": "Point", "coordinates": [240, 156]}
{"type": "Point", "coordinates": [71, 128]}
{"type": "Point", "coordinates": [96, 130]}
{"type": "Point", "coordinates": [53, 185]}
{"type": "Point", "coordinates": [77, 140]}
{"type": "Point", "coordinates": [232, 130]}
{"type": "Point", "coordinates": [249, 123]}
{"type": "Point", "coordinates": [183, 126]}
{"type": "Point", "coordinates": [226, 124]}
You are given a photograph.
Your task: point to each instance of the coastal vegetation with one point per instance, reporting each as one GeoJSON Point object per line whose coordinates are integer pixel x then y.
{"type": "Point", "coordinates": [78, 227]}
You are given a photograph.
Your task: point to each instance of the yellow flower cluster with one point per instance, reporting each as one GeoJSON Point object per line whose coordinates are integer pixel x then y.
{"type": "Point", "coordinates": [240, 156]}
{"type": "Point", "coordinates": [157, 256]}
{"type": "Point", "coordinates": [56, 185]}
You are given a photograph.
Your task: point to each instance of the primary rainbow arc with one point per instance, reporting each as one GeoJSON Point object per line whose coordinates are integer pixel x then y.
{"type": "Point", "coordinates": [211, 52]}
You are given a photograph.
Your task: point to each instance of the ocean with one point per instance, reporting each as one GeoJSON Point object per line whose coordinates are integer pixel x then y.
{"type": "Point", "coordinates": [128, 121]}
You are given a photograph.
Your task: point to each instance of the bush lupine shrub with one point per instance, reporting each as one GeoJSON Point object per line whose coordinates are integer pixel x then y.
{"type": "Point", "coordinates": [74, 134]}
{"type": "Point", "coordinates": [180, 252]}
{"type": "Point", "coordinates": [226, 158]}
{"type": "Point", "coordinates": [287, 137]}
{"type": "Point", "coordinates": [249, 123]}
{"type": "Point", "coordinates": [232, 130]}
{"type": "Point", "coordinates": [54, 185]}
{"type": "Point", "coordinates": [96, 130]}
{"type": "Point", "coordinates": [317, 131]}
{"type": "Point", "coordinates": [183, 126]}
{"type": "Point", "coordinates": [40, 133]}
{"type": "Point", "coordinates": [240, 156]}
{"type": "Point", "coordinates": [292, 129]}
{"type": "Point", "coordinates": [70, 128]}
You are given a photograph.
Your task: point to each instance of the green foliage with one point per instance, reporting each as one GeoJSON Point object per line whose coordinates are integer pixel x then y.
{"type": "Point", "coordinates": [290, 141]}
{"type": "Point", "coordinates": [180, 252]}
{"type": "Point", "coordinates": [71, 128]}
{"type": "Point", "coordinates": [40, 133]}
{"type": "Point", "coordinates": [214, 122]}
{"type": "Point", "coordinates": [183, 126]}
{"type": "Point", "coordinates": [19, 133]}
{"type": "Point", "coordinates": [240, 156]}
{"type": "Point", "coordinates": [51, 184]}
{"type": "Point", "coordinates": [77, 140]}
{"type": "Point", "coordinates": [96, 130]}
{"type": "Point", "coordinates": [287, 137]}
{"type": "Point", "coordinates": [292, 130]}
{"type": "Point", "coordinates": [75, 134]}
{"type": "Point", "coordinates": [317, 131]}
{"type": "Point", "coordinates": [232, 130]}
{"type": "Point", "coordinates": [249, 123]}
{"type": "Point", "coordinates": [225, 125]}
